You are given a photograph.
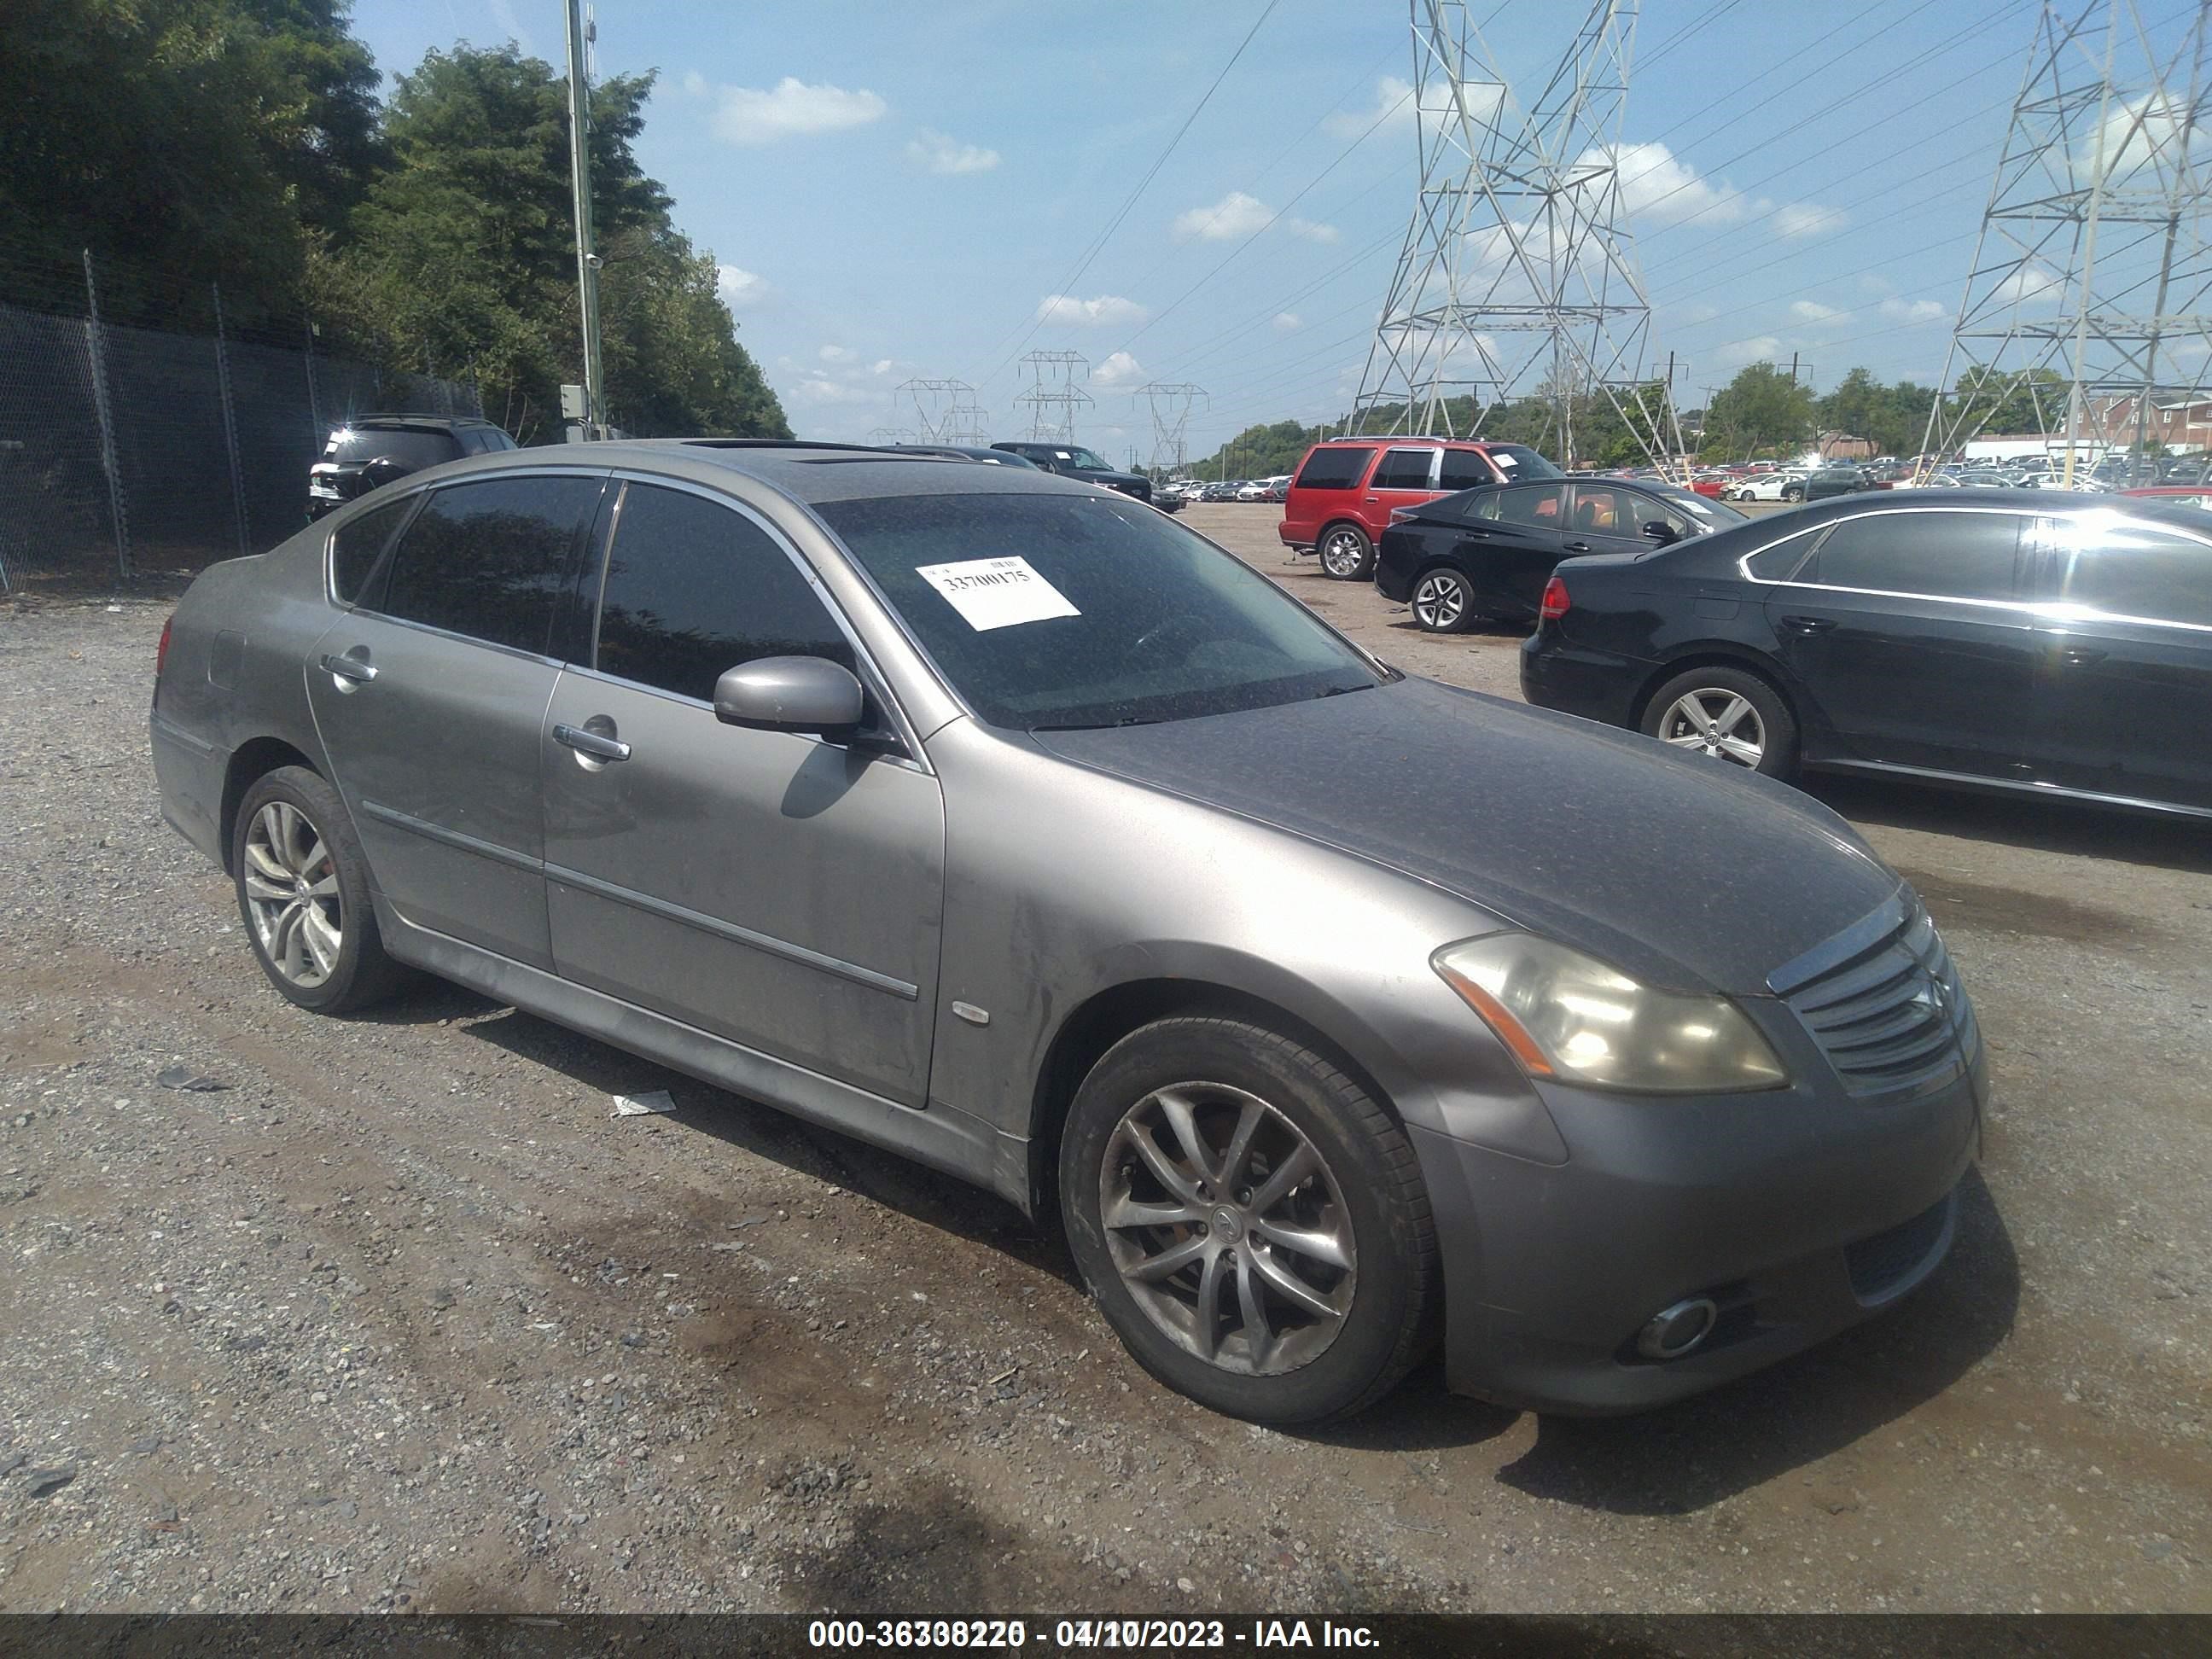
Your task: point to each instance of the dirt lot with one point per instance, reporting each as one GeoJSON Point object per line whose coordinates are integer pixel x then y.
{"type": "Point", "coordinates": [399, 1317]}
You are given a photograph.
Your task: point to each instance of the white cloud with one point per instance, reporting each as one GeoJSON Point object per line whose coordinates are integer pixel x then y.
{"type": "Point", "coordinates": [2141, 130]}
{"type": "Point", "coordinates": [1288, 322]}
{"type": "Point", "coordinates": [695, 83]}
{"type": "Point", "coordinates": [1236, 215]}
{"type": "Point", "coordinates": [1812, 310]}
{"type": "Point", "coordinates": [942, 153]}
{"type": "Point", "coordinates": [739, 288]}
{"type": "Point", "coordinates": [1119, 370]}
{"type": "Point", "coordinates": [1759, 348]}
{"type": "Point", "coordinates": [792, 108]}
{"type": "Point", "coordinates": [2033, 281]}
{"type": "Point", "coordinates": [815, 387]}
{"type": "Point", "coordinates": [883, 366]}
{"type": "Point", "coordinates": [837, 353]}
{"type": "Point", "coordinates": [1393, 105]}
{"type": "Point", "coordinates": [1800, 219]}
{"type": "Point", "coordinates": [1914, 311]}
{"type": "Point", "coordinates": [1660, 188]}
{"type": "Point", "coordinates": [1107, 311]}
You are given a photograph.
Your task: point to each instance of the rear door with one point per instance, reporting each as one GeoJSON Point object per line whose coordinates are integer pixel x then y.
{"type": "Point", "coordinates": [2125, 648]}
{"type": "Point", "coordinates": [1909, 631]}
{"type": "Point", "coordinates": [781, 891]}
{"type": "Point", "coordinates": [1508, 543]}
{"type": "Point", "coordinates": [1405, 475]}
{"type": "Point", "coordinates": [430, 696]}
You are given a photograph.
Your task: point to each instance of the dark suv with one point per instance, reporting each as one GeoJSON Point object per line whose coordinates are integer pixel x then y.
{"type": "Point", "coordinates": [1083, 466]}
{"type": "Point", "coordinates": [370, 450]}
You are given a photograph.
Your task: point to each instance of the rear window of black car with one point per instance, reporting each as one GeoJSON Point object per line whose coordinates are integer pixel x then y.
{"type": "Point", "coordinates": [489, 559]}
{"type": "Point", "coordinates": [413, 447]}
{"type": "Point", "coordinates": [1943, 554]}
{"type": "Point", "coordinates": [1341, 467]}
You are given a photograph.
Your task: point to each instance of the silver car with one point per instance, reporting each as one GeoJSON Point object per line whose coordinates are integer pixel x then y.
{"type": "Point", "coordinates": [1004, 823]}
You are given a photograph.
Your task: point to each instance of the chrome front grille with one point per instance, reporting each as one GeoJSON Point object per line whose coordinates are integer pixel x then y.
{"type": "Point", "coordinates": [1891, 1014]}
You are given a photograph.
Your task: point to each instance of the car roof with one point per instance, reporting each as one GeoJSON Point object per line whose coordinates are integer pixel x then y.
{"type": "Point", "coordinates": [1412, 438]}
{"type": "Point", "coordinates": [438, 421]}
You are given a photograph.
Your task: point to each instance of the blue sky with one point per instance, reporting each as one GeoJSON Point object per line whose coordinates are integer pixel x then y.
{"type": "Point", "coordinates": [901, 191]}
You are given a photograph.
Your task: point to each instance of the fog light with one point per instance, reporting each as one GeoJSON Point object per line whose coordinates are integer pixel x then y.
{"type": "Point", "coordinates": [1676, 1331]}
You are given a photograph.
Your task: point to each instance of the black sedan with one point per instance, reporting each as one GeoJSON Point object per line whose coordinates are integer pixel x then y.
{"type": "Point", "coordinates": [1838, 481]}
{"type": "Point", "coordinates": [1487, 552]}
{"type": "Point", "coordinates": [1998, 639]}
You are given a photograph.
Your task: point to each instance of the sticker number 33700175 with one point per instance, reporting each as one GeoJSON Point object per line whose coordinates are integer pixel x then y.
{"type": "Point", "coordinates": [996, 593]}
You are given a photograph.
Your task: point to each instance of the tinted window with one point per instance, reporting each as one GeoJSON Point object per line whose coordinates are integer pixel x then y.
{"type": "Point", "coordinates": [1600, 511]}
{"type": "Point", "coordinates": [1339, 468]}
{"type": "Point", "coordinates": [1463, 469]}
{"type": "Point", "coordinates": [488, 559]}
{"type": "Point", "coordinates": [1404, 469]}
{"type": "Point", "coordinates": [1779, 562]}
{"type": "Point", "coordinates": [1537, 506]}
{"type": "Point", "coordinates": [2132, 570]}
{"type": "Point", "coordinates": [695, 588]}
{"type": "Point", "coordinates": [356, 544]}
{"type": "Point", "coordinates": [412, 449]}
{"type": "Point", "coordinates": [1963, 556]}
{"type": "Point", "coordinates": [1121, 617]}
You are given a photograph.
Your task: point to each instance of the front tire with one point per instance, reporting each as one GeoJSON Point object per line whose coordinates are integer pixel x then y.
{"type": "Point", "coordinates": [1729, 714]}
{"type": "Point", "coordinates": [303, 894]}
{"type": "Point", "coordinates": [1250, 1221]}
{"type": "Point", "coordinates": [1345, 553]}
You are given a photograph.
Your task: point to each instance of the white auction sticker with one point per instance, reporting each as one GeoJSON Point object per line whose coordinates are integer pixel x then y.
{"type": "Point", "coordinates": [996, 593]}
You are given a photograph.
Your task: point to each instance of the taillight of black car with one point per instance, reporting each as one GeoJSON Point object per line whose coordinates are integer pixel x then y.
{"type": "Point", "coordinates": [1555, 599]}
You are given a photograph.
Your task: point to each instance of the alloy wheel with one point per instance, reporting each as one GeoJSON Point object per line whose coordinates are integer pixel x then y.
{"type": "Point", "coordinates": [1439, 601]}
{"type": "Point", "coordinates": [1713, 721]}
{"type": "Point", "coordinates": [292, 891]}
{"type": "Point", "coordinates": [1341, 554]}
{"type": "Point", "coordinates": [1228, 1228]}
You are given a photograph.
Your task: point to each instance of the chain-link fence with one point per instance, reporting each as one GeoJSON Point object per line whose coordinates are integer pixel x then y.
{"type": "Point", "coordinates": [125, 449]}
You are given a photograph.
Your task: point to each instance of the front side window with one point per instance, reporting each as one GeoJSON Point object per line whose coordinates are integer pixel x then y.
{"type": "Point", "coordinates": [1340, 466]}
{"type": "Point", "coordinates": [355, 545]}
{"type": "Point", "coordinates": [1600, 511]}
{"type": "Point", "coordinates": [694, 589]}
{"type": "Point", "coordinates": [2128, 569]}
{"type": "Point", "coordinates": [1404, 469]}
{"type": "Point", "coordinates": [489, 559]}
{"type": "Point", "coordinates": [1464, 469]}
{"type": "Point", "coordinates": [1051, 612]}
{"type": "Point", "coordinates": [1956, 556]}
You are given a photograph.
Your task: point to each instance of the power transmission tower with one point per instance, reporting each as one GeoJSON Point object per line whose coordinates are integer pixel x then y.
{"type": "Point", "coordinates": [1517, 271]}
{"type": "Point", "coordinates": [2091, 266]}
{"type": "Point", "coordinates": [966, 422]}
{"type": "Point", "coordinates": [1054, 396]}
{"type": "Point", "coordinates": [935, 402]}
{"type": "Point", "coordinates": [1171, 402]}
{"type": "Point", "coordinates": [893, 434]}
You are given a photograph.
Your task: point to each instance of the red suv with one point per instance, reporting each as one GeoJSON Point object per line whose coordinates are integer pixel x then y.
{"type": "Point", "coordinates": [1345, 488]}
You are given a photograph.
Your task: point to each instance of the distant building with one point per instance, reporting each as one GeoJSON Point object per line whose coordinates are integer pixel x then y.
{"type": "Point", "coordinates": [1842, 446]}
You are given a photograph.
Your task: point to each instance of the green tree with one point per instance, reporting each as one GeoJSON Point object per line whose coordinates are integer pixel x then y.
{"type": "Point", "coordinates": [1761, 405]}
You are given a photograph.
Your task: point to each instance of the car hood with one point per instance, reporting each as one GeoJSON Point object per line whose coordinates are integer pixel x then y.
{"type": "Point", "coordinates": [1682, 873]}
{"type": "Point", "coordinates": [1116, 480]}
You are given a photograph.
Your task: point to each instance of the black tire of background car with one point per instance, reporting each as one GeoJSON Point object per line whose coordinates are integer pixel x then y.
{"type": "Point", "coordinates": [1366, 565]}
{"type": "Point", "coordinates": [1393, 1315]}
{"type": "Point", "coordinates": [1780, 758]}
{"type": "Point", "coordinates": [365, 975]}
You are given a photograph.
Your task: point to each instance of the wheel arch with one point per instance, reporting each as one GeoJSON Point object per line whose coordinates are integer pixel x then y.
{"type": "Point", "coordinates": [1104, 1018]}
{"type": "Point", "coordinates": [251, 760]}
{"type": "Point", "coordinates": [1741, 658]}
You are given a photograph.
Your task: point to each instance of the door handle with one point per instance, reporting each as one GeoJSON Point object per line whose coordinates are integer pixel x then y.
{"type": "Point", "coordinates": [1808, 626]}
{"type": "Point", "coordinates": [1575, 547]}
{"type": "Point", "coordinates": [591, 743]}
{"type": "Point", "coordinates": [2077, 656]}
{"type": "Point", "coordinates": [348, 668]}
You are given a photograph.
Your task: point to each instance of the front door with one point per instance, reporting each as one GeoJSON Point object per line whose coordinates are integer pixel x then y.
{"type": "Point", "coordinates": [1908, 631]}
{"type": "Point", "coordinates": [430, 695]}
{"type": "Point", "coordinates": [2125, 650]}
{"type": "Point", "coordinates": [780, 890]}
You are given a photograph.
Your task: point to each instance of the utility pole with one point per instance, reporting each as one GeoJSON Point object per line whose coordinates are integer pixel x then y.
{"type": "Point", "coordinates": [587, 261]}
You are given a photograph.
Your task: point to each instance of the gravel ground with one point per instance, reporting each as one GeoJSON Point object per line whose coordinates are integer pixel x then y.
{"type": "Point", "coordinates": [398, 1318]}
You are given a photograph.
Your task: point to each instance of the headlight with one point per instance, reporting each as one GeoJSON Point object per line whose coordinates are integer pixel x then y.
{"type": "Point", "coordinates": [1571, 1017]}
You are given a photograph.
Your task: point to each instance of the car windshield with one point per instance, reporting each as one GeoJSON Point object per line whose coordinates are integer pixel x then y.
{"type": "Point", "coordinates": [1088, 460]}
{"type": "Point", "coordinates": [1052, 612]}
{"type": "Point", "coordinates": [1520, 464]}
{"type": "Point", "coordinates": [1715, 511]}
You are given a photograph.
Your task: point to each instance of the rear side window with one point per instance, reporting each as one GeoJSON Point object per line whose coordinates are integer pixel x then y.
{"type": "Point", "coordinates": [1536, 507]}
{"type": "Point", "coordinates": [1341, 467]}
{"type": "Point", "coordinates": [355, 545]}
{"type": "Point", "coordinates": [695, 588]}
{"type": "Point", "coordinates": [488, 560]}
{"type": "Point", "coordinates": [1463, 469]}
{"type": "Point", "coordinates": [1404, 469]}
{"type": "Point", "coordinates": [1779, 562]}
{"type": "Point", "coordinates": [1954, 555]}
{"type": "Point", "coordinates": [413, 448]}
{"type": "Point", "coordinates": [2131, 570]}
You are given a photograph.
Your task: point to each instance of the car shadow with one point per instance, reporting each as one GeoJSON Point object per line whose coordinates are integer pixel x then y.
{"type": "Point", "coordinates": [2033, 823]}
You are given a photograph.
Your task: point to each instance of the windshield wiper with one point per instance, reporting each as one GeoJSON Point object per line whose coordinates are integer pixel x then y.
{"type": "Point", "coordinates": [1095, 726]}
{"type": "Point", "coordinates": [1339, 690]}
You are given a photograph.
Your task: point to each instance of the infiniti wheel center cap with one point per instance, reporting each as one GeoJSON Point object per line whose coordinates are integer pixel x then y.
{"type": "Point", "coordinates": [1226, 1227]}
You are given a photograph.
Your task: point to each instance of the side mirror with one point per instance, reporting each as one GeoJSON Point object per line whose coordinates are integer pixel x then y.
{"type": "Point", "coordinates": [1661, 532]}
{"type": "Point", "coordinates": [375, 474]}
{"type": "Point", "coordinates": [792, 694]}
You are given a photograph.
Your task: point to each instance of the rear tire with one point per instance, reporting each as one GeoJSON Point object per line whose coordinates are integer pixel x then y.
{"type": "Point", "coordinates": [1250, 1221]}
{"type": "Point", "coordinates": [1443, 601]}
{"type": "Point", "coordinates": [1729, 714]}
{"type": "Point", "coordinates": [1345, 553]}
{"type": "Point", "coordinates": [302, 887]}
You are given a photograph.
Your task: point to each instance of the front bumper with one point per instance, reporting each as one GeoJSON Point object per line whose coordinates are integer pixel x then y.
{"type": "Point", "coordinates": [1799, 1211]}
